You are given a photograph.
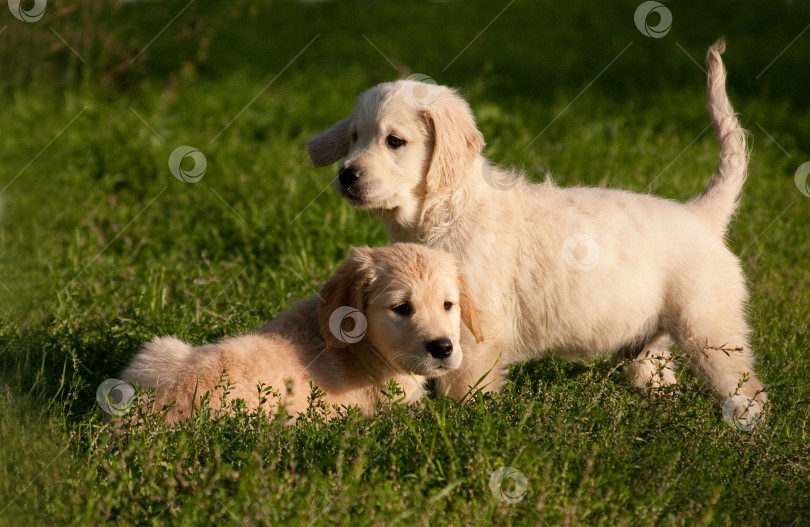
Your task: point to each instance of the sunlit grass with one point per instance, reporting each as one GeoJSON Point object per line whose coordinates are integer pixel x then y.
{"type": "Point", "coordinates": [101, 248]}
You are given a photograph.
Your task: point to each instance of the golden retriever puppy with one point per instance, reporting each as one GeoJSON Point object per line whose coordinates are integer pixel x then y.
{"type": "Point", "coordinates": [390, 313]}
{"type": "Point", "coordinates": [580, 272]}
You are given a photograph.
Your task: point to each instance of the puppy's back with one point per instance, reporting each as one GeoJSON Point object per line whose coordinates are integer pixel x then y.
{"type": "Point", "coordinates": [284, 355]}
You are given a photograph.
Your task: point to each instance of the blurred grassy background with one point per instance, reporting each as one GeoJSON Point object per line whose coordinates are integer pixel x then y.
{"type": "Point", "coordinates": [101, 248]}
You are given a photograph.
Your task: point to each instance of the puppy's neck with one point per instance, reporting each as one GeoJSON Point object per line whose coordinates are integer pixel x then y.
{"type": "Point", "coordinates": [439, 217]}
{"type": "Point", "coordinates": [402, 226]}
{"type": "Point", "coordinates": [365, 363]}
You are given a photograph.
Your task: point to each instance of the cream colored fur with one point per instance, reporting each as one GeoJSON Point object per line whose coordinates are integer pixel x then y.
{"type": "Point", "coordinates": [581, 272]}
{"type": "Point", "coordinates": [306, 343]}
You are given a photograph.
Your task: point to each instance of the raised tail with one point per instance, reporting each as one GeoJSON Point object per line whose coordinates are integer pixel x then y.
{"type": "Point", "coordinates": [719, 200]}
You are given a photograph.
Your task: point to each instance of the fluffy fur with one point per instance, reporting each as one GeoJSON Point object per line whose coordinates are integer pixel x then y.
{"type": "Point", "coordinates": [311, 343]}
{"type": "Point", "coordinates": [581, 272]}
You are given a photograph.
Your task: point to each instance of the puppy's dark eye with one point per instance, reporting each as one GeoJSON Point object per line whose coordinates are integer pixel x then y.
{"type": "Point", "coordinates": [448, 306]}
{"type": "Point", "coordinates": [354, 136]}
{"type": "Point", "coordinates": [405, 309]}
{"type": "Point", "coordinates": [394, 141]}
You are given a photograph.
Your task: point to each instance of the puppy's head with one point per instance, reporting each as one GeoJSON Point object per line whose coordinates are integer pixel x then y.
{"type": "Point", "coordinates": [406, 300]}
{"type": "Point", "coordinates": [404, 140]}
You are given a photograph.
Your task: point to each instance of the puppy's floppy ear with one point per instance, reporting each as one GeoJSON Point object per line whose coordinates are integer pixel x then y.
{"type": "Point", "coordinates": [469, 313]}
{"type": "Point", "coordinates": [345, 289]}
{"type": "Point", "coordinates": [331, 144]}
{"type": "Point", "coordinates": [456, 139]}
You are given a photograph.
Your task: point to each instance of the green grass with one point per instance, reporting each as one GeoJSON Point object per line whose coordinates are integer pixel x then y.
{"type": "Point", "coordinates": [101, 248]}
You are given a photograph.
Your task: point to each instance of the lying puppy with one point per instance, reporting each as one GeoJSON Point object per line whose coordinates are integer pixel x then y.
{"type": "Point", "coordinates": [582, 272]}
{"type": "Point", "coordinates": [391, 313]}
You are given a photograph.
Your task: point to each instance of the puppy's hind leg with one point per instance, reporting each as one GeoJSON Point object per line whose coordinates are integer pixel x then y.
{"type": "Point", "coordinates": [712, 329]}
{"type": "Point", "coordinates": [653, 367]}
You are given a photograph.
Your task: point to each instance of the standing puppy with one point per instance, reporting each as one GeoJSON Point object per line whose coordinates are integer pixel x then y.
{"type": "Point", "coordinates": [582, 272]}
{"type": "Point", "coordinates": [391, 313]}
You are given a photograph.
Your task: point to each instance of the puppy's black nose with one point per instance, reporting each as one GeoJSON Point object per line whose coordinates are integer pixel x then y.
{"type": "Point", "coordinates": [348, 175]}
{"type": "Point", "coordinates": [440, 348]}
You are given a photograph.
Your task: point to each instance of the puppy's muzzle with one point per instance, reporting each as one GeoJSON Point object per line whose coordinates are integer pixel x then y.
{"type": "Point", "coordinates": [440, 348]}
{"type": "Point", "coordinates": [348, 176]}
